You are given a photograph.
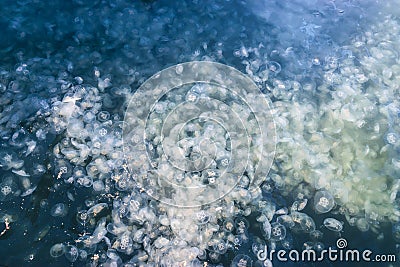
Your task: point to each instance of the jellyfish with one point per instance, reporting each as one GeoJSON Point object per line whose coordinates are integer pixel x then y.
{"type": "Point", "coordinates": [307, 224]}
{"type": "Point", "coordinates": [274, 67]}
{"type": "Point", "coordinates": [98, 186]}
{"type": "Point", "coordinates": [278, 231]}
{"type": "Point", "coordinates": [220, 247]}
{"type": "Point", "coordinates": [8, 189]}
{"type": "Point", "coordinates": [71, 253]}
{"type": "Point", "coordinates": [59, 210]}
{"type": "Point", "coordinates": [228, 225]}
{"type": "Point", "coordinates": [57, 250]}
{"type": "Point", "coordinates": [266, 227]}
{"type": "Point", "coordinates": [82, 217]}
{"type": "Point", "coordinates": [323, 201]}
{"type": "Point", "coordinates": [333, 224]}
{"type": "Point", "coordinates": [362, 224]}
{"type": "Point", "coordinates": [241, 260]}
{"type": "Point", "coordinates": [241, 222]}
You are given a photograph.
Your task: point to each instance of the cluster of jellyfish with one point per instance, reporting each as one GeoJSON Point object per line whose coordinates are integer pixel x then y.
{"type": "Point", "coordinates": [337, 153]}
{"type": "Point", "coordinates": [336, 156]}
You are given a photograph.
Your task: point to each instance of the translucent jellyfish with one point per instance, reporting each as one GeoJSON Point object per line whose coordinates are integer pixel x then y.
{"type": "Point", "coordinates": [278, 231]}
{"type": "Point", "coordinates": [238, 240]}
{"type": "Point", "coordinates": [391, 138]}
{"type": "Point", "coordinates": [228, 225]}
{"type": "Point", "coordinates": [362, 224]}
{"type": "Point", "coordinates": [59, 210]}
{"type": "Point", "coordinates": [323, 201]}
{"type": "Point", "coordinates": [241, 260]}
{"type": "Point", "coordinates": [71, 253]}
{"type": "Point", "coordinates": [124, 243]}
{"type": "Point", "coordinates": [307, 224]}
{"type": "Point", "coordinates": [241, 222]}
{"type": "Point", "coordinates": [299, 205]}
{"type": "Point", "coordinates": [266, 227]}
{"type": "Point", "coordinates": [202, 217]}
{"type": "Point", "coordinates": [98, 186]}
{"type": "Point", "coordinates": [220, 247]}
{"type": "Point", "coordinates": [103, 116]}
{"type": "Point", "coordinates": [333, 224]}
{"type": "Point", "coordinates": [267, 263]}
{"type": "Point", "coordinates": [8, 189]}
{"type": "Point", "coordinates": [286, 220]}
{"type": "Point", "coordinates": [82, 217]}
{"type": "Point", "coordinates": [85, 181]}
{"type": "Point", "coordinates": [274, 67]}
{"type": "Point", "coordinates": [97, 209]}
{"type": "Point", "coordinates": [258, 245]}
{"type": "Point", "coordinates": [57, 250]}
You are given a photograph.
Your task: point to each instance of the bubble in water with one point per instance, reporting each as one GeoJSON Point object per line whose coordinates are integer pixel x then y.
{"type": "Point", "coordinates": [57, 250]}
{"type": "Point", "coordinates": [323, 201]}
{"type": "Point", "coordinates": [59, 210]}
{"type": "Point", "coordinates": [241, 260]}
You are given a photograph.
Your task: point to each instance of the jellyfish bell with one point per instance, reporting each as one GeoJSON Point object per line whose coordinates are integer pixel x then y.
{"type": "Point", "coordinates": [241, 260]}
{"type": "Point", "coordinates": [8, 188]}
{"type": "Point", "coordinates": [59, 210]}
{"type": "Point", "coordinates": [57, 250]}
{"type": "Point", "coordinates": [278, 231]}
{"type": "Point", "coordinates": [71, 253]}
{"type": "Point", "coordinates": [323, 201]}
{"type": "Point", "coordinates": [333, 224]}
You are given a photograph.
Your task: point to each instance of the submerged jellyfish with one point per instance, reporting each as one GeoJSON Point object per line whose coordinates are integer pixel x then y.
{"type": "Point", "coordinates": [57, 250]}
{"type": "Point", "coordinates": [59, 210]}
{"type": "Point", "coordinates": [278, 231]}
{"type": "Point", "coordinates": [333, 224]}
{"type": "Point", "coordinates": [241, 260]}
{"type": "Point", "coordinates": [71, 253]}
{"type": "Point", "coordinates": [8, 189]}
{"type": "Point", "coordinates": [323, 201]}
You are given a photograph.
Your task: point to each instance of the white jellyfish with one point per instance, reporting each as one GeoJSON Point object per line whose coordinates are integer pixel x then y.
{"type": "Point", "coordinates": [333, 224]}
{"type": "Point", "coordinates": [71, 253]}
{"type": "Point", "coordinates": [241, 260]}
{"type": "Point", "coordinates": [323, 201]}
{"type": "Point", "coordinates": [57, 250]}
{"type": "Point", "coordinates": [278, 231]}
{"type": "Point", "coordinates": [307, 224]}
{"type": "Point", "coordinates": [8, 189]}
{"type": "Point", "coordinates": [362, 224]}
{"type": "Point", "coordinates": [59, 210]}
{"type": "Point", "coordinates": [220, 247]}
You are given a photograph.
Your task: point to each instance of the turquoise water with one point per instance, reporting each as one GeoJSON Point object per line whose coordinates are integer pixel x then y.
{"type": "Point", "coordinates": [68, 69]}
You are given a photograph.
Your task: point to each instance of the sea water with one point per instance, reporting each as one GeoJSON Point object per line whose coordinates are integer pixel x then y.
{"type": "Point", "coordinates": [198, 133]}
